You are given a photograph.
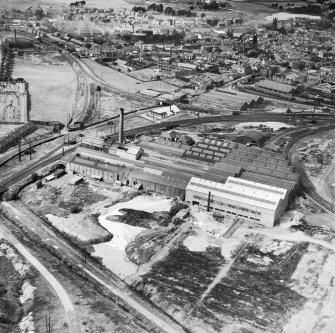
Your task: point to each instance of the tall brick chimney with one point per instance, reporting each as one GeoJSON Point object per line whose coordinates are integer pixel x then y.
{"type": "Point", "coordinates": [121, 125]}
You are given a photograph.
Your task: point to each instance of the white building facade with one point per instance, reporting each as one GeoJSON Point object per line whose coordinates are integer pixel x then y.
{"type": "Point", "coordinates": [238, 197]}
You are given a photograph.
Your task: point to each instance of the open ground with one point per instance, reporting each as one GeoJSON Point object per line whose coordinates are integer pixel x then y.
{"type": "Point", "coordinates": [201, 279]}
{"type": "Point", "coordinates": [318, 153]}
{"type": "Point", "coordinates": [51, 85]}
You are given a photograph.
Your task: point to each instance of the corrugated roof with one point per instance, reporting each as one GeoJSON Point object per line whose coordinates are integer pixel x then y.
{"type": "Point", "coordinates": [256, 177]}
{"type": "Point", "coordinates": [277, 86]}
{"type": "Point", "coordinates": [254, 135]}
{"type": "Point", "coordinates": [249, 195]}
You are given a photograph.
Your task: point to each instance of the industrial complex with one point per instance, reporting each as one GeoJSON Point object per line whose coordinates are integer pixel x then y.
{"type": "Point", "coordinates": [167, 167]}
{"type": "Point", "coordinates": [221, 176]}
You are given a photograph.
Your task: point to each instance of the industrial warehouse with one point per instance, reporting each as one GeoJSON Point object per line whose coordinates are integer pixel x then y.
{"type": "Point", "coordinates": [221, 176]}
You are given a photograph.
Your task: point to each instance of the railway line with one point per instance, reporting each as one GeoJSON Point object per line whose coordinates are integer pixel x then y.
{"type": "Point", "coordinates": [20, 175]}
{"type": "Point", "coordinates": [326, 117]}
{"type": "Point", "coordinates": [213, 119]}
{"type": "Point", "coordinates": [138, 305]}
{"type": "Point", "coordinates": [145, 312]}
{"type": "Point", "coordinates": [306, 185]}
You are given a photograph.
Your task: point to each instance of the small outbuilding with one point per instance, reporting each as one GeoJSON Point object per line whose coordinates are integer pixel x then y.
{"type": "Point", "coordinates": [39, 184]}
{"type": "Point", "coordinates": [76, 180]}
{"type": "Point", "coordinates": [251, 136]}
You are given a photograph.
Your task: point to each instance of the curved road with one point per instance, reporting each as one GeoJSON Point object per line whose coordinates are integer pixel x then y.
{"type": "Point", "coordinates": [71, 317]}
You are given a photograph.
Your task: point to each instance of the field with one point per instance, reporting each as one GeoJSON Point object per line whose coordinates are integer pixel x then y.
{"type": "Point", "coordinates": [117, 4]}
{"type": "Point", "coordinates": [124, 82]}
{"type": "Point", "coordinates": [110, 104]}
{"type": "Point", "coordinates": [51, 84]}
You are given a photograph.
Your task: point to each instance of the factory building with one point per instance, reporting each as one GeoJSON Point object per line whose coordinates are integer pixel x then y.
{"type": "Point", "coordinates": [255, 137]}
{"type": "Point", "coordinates": [238, 197]}
{"type": "Point", "coordinates": [276, 88]}
{"type": "Point", "coordinates": [223, 176]}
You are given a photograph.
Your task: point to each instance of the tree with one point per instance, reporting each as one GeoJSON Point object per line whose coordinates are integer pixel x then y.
{"type": "Point", "coordinates": [160, 8]}
{"type": "Point", "coordinates": [39, 14]}
{"type": "Point", "coordinates": [152, 7]}
{"type": "Point", "coordinates": [202, 15]}
{"type": "Point", "coordinates": [139, 9]}
{"type": "Point", "coordinates": [168, 11]}
{"type": "Point", "coordinates": [209, 22]}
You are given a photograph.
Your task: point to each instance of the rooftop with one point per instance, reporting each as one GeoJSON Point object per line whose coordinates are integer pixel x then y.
{"type": "Point", "coordinates": [240, 190]}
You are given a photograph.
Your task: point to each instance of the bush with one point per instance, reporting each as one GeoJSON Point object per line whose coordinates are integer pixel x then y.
{"type": "Point", "coordinates": [75, 209]}
{"type": "Point", "coordinates": [178, 221]}
{"type": "Point", "coordinates": [178, 206]}
{"type": "Point", "coordinates": [34, 177]}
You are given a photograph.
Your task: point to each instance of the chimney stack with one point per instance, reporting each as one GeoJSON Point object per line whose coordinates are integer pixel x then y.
{"type": "Point", "coordinates": [121, 125]}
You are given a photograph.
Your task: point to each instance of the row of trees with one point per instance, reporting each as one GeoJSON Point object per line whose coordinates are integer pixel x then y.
{"type": "Point", "coordinates": [211, 6]}
{"type": "Point", "coordinates": [78, 4]}
{"type": "Point", "coordinates": [160, 9]}
{"type": "Point", "coordinates": [156, 7]}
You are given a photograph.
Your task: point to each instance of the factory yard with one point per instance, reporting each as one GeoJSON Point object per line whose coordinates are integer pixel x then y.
{"type": "Point", "coordinates": [52, 85]}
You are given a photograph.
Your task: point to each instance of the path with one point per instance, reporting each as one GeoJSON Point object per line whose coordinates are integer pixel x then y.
{"type": "Point", "coordinates": [71, 317]}
{"type": "Point", "coordinates": [104, 277]}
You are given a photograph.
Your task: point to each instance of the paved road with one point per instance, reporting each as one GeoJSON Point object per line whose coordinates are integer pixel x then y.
{"type": "Point", "coordinates": [70, 314]}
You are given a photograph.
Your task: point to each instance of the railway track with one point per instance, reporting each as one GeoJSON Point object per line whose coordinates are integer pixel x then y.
{"type": "Point", "coordinates": [213, 119]}
{"type": "Point", "coordinates": [143, 310]}
{"type": "Point", "coordinates": [306, 185]}
{"type": "Point", "coordinates": [20, 175]}
{"type": "Point", "coordinates": [222, 118]}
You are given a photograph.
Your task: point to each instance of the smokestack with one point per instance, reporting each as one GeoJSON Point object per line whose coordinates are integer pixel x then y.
{"type": "Point", "coordinates": [15, 35]}
{"type": "Point", "coordinates": [121, 125]}
{"type": "Point", "coordinates": [209, 201]}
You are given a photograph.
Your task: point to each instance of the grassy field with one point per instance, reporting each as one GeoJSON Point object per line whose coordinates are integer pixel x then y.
{"type": "Point", "coordinates": [95, 3]}
{"type": "Point", "coordinates": [52, 84]}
